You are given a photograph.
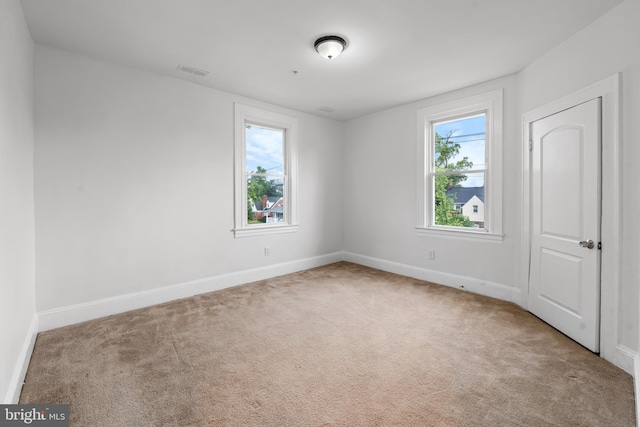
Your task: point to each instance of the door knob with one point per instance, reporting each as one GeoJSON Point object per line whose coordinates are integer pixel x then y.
{"type": "Point", "coordinates": [586, 244]}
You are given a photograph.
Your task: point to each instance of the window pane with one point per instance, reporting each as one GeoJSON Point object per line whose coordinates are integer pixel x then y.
{"type": "Point", "coordinates": [459, 200]}
{"type": "Point", "coordinates": [460, 143]}
{"type": "Point", "coordinates": [462, 146]}
{"type": "Point", "coordinates": [265, 165]}
{"type": "Point", "coordinates": [265, 199]}
{"type": "Point", "coordinates": [265, 150]}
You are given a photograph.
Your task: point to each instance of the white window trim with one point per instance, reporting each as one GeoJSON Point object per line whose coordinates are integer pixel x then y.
{"type": "Point", "coordinates": [244, 114]}
{"type": "Point", "coordinates": [491, 104]}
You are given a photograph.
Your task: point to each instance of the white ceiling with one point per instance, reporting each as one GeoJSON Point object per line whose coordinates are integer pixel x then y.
{"type": "Point", "coordinates": [398, 50]}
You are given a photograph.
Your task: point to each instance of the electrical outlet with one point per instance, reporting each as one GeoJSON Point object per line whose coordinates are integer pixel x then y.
{"type": "Point", "coordinates": [267, 251]}
{"type": "Point", "coordinates": [432, 254]}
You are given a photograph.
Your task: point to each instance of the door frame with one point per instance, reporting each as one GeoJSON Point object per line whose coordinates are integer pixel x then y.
{"type": "Point", "coordinates": [609, 90]}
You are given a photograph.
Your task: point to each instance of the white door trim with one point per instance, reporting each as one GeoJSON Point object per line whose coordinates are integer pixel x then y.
{"type": "Point", "coordinates": [609, 90]}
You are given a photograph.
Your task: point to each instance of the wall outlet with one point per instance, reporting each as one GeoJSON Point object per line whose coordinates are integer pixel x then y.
{"type": "Point", "coordinates": [432, 255]}
{"type": "Point", "coordinates": [267, 251]}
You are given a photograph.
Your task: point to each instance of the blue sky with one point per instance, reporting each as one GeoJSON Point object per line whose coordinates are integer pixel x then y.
{"type": "Point", "coordinates": [264, 148]}
{"type": "Point", "coordinates": [470, 134]}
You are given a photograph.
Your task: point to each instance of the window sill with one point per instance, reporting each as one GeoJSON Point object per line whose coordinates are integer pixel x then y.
{"type": "Point", "coordinates": [260, 230]}
{"type": "Point", "coordinates": [463, 233]}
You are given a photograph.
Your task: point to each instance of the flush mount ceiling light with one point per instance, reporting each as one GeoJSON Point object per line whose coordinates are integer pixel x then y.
{"type": "Point", "coordinates": [330, 46]}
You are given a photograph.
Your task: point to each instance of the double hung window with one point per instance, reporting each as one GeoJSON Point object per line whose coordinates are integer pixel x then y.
{"type": "Point", "coordinates": [460, 156]}
{"type": "Point", "coordinates": [265, 172]}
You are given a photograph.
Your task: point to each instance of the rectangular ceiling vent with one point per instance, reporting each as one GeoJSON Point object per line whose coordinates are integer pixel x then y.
{"type": "Point", "coordinates": [192, 70]}
{"type": "Point", "coordinates": [327, 109]}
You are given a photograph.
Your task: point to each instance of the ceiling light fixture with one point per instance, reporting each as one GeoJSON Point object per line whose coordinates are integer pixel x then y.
{"type": "Point", "coordinates": [330, 46]}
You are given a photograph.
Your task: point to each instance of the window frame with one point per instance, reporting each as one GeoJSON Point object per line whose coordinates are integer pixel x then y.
{"type": "Point", "coordinates": [244, 114]}
{"type": "Point", "coordinates": [491, 105]}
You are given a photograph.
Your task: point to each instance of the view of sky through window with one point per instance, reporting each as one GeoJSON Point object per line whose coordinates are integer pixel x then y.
{"type": "Point", "coordinates": [469, 133]}
{"type": "Point", "coordinates": [265, 148]}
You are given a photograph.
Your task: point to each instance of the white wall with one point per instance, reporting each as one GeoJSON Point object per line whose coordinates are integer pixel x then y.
{"type": "Point", "coordinates": [381, 195]}
{"type": "Point", "coordinates": [16, 197]}
{"type": "Point", "coordinates": [134, 183]}
{"type": "Point", "coordinates": [608, 46]}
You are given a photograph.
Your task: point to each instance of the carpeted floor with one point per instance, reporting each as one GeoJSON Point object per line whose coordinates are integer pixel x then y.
{"type": "Point", "coordinates": [340, 345]}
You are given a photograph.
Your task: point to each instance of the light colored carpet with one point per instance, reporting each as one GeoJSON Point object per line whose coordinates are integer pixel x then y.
{"type": "Point", "coordinates": [341, 345]}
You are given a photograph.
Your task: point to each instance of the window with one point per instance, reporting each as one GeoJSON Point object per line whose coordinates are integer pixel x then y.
{"type": "Point", "coordinates": [460, 155]}
{"type": "Point", "coordinates": [265, 172]}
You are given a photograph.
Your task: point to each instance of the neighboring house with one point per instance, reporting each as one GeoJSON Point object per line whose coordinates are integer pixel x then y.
{"type": "Point", "coordinates": [275, 213]}
{"type": "Point", "coordinates": [270, 208]}
{"type": "Point", "coordinates": [469, 201]}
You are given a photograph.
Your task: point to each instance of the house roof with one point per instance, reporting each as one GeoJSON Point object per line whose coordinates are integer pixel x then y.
{"type": "Point", "coordinates": [272, 200]}
{"type": "Point", "coordinates": [464, 194]}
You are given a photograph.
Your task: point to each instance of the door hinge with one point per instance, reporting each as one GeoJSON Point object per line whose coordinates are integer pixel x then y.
{"type": "Point", "coordinates": [530, 145]}
{"type": "Point", "coordinates": [600, 245]}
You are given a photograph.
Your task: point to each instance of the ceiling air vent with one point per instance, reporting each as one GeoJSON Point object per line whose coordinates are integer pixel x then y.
{"type": "Point", "coordinates": [327, 109]}
{"type": "Point", "coordinates": [192, 70]}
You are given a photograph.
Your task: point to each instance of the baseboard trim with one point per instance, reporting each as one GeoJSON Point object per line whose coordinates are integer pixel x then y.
{"type": "Point", "coordinates": [626, 359]}
{"type": "Point", "coordinates": [629, 361]}
{"type": "Point", "coordinates": [69, 315]}
{"type": "Point", "coordinates": [20, 371]}
{"type": "Point", "coordinates": [636, 384]}
{"type": "Point", "coordinates": [478, 286]}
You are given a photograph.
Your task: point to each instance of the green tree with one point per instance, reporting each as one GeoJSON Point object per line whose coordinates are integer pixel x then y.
{"type": "Point", "coordinates": [257, 186]}
{"type": "Point", "coordinates": [445, 151]}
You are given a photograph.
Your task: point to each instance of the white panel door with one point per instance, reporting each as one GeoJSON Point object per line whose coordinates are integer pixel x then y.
{"type": "Point", "coordinates": [564, 282]}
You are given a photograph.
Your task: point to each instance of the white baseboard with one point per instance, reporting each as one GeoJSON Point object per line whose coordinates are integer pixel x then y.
{"type": "Point", "coordinates": [55, 318]}
{"type": "Point", "coordinates": [69, 315]}
{"type": "Point", "coordinates": [629, 361]}
{"type": "Point", "coordinates": [478, 286]}
{"type": "Point", "coordinates": [626, 359]}
{"type": "Point", "coordinates": [20, 371]}
{"type": "Point", "coordinates": [636, 384]}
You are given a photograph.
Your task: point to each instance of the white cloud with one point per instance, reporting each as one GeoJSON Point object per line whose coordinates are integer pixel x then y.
{"type": "Point", "coordinates": [265, 147]}
{"type": "Point", "coordinates": [470, 133]}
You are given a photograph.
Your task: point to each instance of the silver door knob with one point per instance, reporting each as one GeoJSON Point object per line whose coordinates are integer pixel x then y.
{"type": "Point", "coordinates": [586, 244]}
